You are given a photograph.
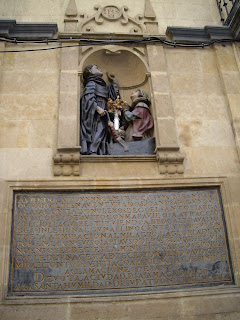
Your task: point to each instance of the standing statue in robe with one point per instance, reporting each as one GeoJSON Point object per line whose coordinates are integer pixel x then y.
{"type": "Point", "coordinates": [94, 131]}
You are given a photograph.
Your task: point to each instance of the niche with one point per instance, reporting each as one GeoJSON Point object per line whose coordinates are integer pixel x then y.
{"type": "Point", "coordinates": [132, 73]}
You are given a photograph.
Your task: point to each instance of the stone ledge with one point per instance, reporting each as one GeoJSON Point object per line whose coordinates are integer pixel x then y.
{"type": "Point", "coordinates": [121, 297]}
{"type": "Point", "coordinates": [12, 29]}
{"type": "Point", "coordinates": [206, 34]}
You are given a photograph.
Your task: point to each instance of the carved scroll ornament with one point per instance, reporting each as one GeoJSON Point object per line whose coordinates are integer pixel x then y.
{"type": "Point", "coordinates": [112, 14]}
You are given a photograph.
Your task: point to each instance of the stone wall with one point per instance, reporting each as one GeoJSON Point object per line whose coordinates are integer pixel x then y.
{"type": "Point", "coordinates": [196, 96]}
{"type": "Point", "coordinates": [188, 13]}
{"type": "Point", "coordinates": [29, 108]}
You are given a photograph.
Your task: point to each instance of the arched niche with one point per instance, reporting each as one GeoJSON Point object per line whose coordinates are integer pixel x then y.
{"type": "Point", "coordinates": [132, 66]}
{"type": "Point", "coordinates": [129, 67]}
{"type": "Point", "coordinates": [127, 64]}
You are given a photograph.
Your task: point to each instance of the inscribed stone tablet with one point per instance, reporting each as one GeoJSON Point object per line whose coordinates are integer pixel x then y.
{"type": "Point", "coordinates": [121, 241]}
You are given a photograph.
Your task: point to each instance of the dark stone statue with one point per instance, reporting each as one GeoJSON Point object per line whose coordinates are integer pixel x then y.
{"type": "Point", "coordinates": [94, 131]}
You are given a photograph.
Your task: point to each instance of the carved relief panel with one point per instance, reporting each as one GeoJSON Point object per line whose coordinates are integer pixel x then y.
{"type": "Point", "coordinates": [111, 18]}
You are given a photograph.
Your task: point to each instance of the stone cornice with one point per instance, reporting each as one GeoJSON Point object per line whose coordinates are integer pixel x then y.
{"type": "Point", "coordinates": [235, 24]}
{"type": "Point", "coordinates": [12, 29]}
{"type": "Point", "coordinates": [206, 34]}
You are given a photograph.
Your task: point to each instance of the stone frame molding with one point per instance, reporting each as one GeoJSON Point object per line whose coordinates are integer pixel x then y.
{"type": "Point", "coordinates": [168, 155]}
{"type": "Point", "coordinates": [125, 184]}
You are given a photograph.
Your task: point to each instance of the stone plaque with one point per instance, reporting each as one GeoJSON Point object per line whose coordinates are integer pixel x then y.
{"type": "Point", "coordinates": [117, 241]}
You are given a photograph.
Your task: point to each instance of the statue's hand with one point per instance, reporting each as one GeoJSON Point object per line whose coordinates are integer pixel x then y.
{"type": "Point", "coordinates": [101, 111]}
{"type": "Point", "coordinates": [111, 77]}
{"type": "Point", "coordinates": [125, 106]}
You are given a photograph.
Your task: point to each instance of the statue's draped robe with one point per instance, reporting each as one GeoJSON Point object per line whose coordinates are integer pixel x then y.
{"type": "Point", "coordinates": [139, 119]}
{"type": "Point", "coordinates": [94, 132]}
{"type": "Point", "coordinates": [144, 121]}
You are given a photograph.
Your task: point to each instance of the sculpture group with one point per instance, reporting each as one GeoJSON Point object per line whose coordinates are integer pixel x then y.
{"type": "Point", "coordinates": [106, 118]}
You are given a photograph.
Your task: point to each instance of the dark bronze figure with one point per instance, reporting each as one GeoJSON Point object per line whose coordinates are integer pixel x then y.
{"type": "Point", "coordinates": [94, 131]}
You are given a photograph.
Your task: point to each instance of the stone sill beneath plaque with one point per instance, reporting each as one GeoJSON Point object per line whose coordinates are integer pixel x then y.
{"type": "Point", "coordinates": [121, 297]}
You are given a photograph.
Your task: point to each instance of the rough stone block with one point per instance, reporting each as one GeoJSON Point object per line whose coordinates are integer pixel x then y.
{"type": "Point", "coordinates": [212, 84]}
{"type": "Point", "coordinates": [69, 82]}
{"type": "Point", "coordinates": [212, 161]}
{"type": "Point", "coordinates": [42, 133]}
{"type": "Point", "coordinates": [160, 82]}
{"type": "Point", "coordinates": [19, 82]}
{"type": "Point", "coordinates": [186, 83]}
{"type": "Point", "coordinates": [69, 104]}
{"type": "Point", "coordinates": [206, 133]}
{"type": "Point", "coordinates": [31, 61]}
{"type": "Point", "coordinates": [139, 310]}
{"type": "Point", "coordinates": [163, 105]}
{"type": "Point", "coordinates": [28, 106]}
{"type": "Point", "coordinates": [118, 170]}
{"type": "Point", "coordinates": [234, 102]}
{"type": "Point", "coordinates": [211, 305]}
{"type": "Point", "coordinates": [200, 106]}
{"type": "Point", "coordinates": [226, 58]}
{"type": "Point", "coordinates": [232, 82]}
{"type": "Point", "coordinates": [180, 60]}
{"type": "Point", "coordinates": [167, 131]}
{"type": "Point", "coordinates": [208, 61]}
{"type": "Point", "coordinates": [69, 58]}
{"type": "Point", "coordinates": [27, 163]}
{"type": "Point", "coordinates": [67, 132]}
{"type": "Point", "coordinates": [14, 134]}
{"type": "Point", "coordinates": [156, 58]}
{"type": "Point", "coordinates": [35, 312]}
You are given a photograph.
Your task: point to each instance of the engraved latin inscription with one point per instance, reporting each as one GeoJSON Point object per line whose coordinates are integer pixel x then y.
{"type": "Point", "coordinates": [82, 242]}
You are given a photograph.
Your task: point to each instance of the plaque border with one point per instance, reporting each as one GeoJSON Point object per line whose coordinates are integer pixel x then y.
{"type": "Point", "coordinates": [156, 288]}
{"type": "Point", "coordinates": [124, 184]}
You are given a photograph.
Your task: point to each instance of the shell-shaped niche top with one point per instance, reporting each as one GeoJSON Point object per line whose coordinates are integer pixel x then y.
{"type": "Point", "coordinates": [112, 18]}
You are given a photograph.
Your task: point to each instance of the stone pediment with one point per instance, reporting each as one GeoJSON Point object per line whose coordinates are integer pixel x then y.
{"type": "Point", "coordinates": [114, 16]}
{"type": "Point", "coordinates": [111, 18]}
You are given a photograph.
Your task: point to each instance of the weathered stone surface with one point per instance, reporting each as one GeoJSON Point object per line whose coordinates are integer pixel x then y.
{"type": "Point", "coordinates": [187, 61]}
{"type": "Point", "coordinates": [46, 61]}
{"type": "Point", "coordinates": [227, 60]}
{"type": "Point", "coordinates": [33, 162]}
{"type": "Point", "coordinates": [200, 107]}
{"type": "Point", "coordinates": [25, 106]}
{"type": "Point", "coordinates": [206, 133]}
{"type": "Point", "coordinates": [204, 88]}
{"type": "Point", "coordinates": [14, 134]}
{"type": "Point", "coordinates": [167, 131]}
{"type": "Point", "coordinates": [163, 105]}
{"type": "Point", "coordinates": [17, 82]}
{"type": "Point", "coordinates": [211, 161]}
{"type": "Point", "coordinates": [232, 82]}
{"type": "Point", "coordinates": [42, 134]}
{"type": "Point", "coordinates": [160, 82]}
